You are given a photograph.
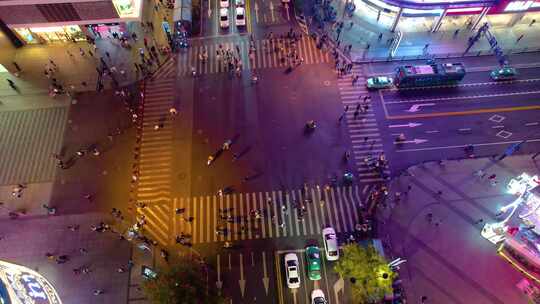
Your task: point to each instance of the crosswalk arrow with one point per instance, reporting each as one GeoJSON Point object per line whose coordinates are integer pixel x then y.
{"type": "Point", "coordinates": [266, 280]}
{"type": "Point", "coordinates": [242, 282]}
{"type": "Point", "coordinates": [416, 107]}
{"type": "Point", "coordinates": [410, 125]}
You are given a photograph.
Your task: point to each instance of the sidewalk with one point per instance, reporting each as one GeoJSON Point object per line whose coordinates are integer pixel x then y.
{"type": "Point", "coordinates": [444, 43]}
{"type": "Point", "coordinates": [447, 258]}
{"type": "Point", "coordinates": [26, 241]}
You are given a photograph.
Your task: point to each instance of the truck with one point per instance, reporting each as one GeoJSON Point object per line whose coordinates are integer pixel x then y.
{"type": "Point", "coordinates": [434, 74]}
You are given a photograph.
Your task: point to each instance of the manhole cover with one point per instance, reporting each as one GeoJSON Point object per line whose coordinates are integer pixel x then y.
{"type": "Point", "coordinates": [497, 118]}
{"type": "Point", "coordinates": [326, 82]}
{"type": "Point", "coordinates": [504, 134]}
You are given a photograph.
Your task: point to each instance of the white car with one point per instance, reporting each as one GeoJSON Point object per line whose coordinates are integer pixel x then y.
{"type": "Point", "coordinates": [292, 273]}
{"type": "Point", "coordinates": [317, 297]}
{"type": "Point", "coordinates": [240, 16]}
{"type": "Point", "coordinates": [224, 3]}
{"type": "Point", "coordinates": [224, 18]}
{"type": "Point", "coordinates": [240, 2]}
{"type": "Point", "coordinates": [330, 244]}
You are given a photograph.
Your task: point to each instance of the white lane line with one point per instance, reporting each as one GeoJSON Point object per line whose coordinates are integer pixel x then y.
{"type": "Point", "coordinates": [462, 97]}
{"type": "Point", "coordinates": [463, 146]}
{"type": "Point", "coordinates": [530, 124]}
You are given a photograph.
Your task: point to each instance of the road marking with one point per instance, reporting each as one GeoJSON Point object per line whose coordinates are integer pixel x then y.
{"type": "Point", "coordinates": [409, 125]}
{"type": "Point", "coordinates": [219, 283]}
{"type": "Point", "coordinates": [463, 146]}
{"type": "Point", "coordinates": [504, 134]}
{"type": "Point", "coordinates": [497, 118]}
{"type": "Point", "coordinates": [497, 127]}
{"type": "Point", "coordinates": [338, 286]}
{"type": "Point", "coordinates": [459, 113]}
{"type": "Point", "coordinates": [256, 7]}
{"type": "Point", "coordinates": [242, 282]}
{"type": "Point", "coordinates": [414, 141]}
{"type": "Point", "coordinates": [278, 277]}
{"type": "Point", "coordinates": [416, 107]}
{"type": "Point", "coordinates": [465, 97]}
{"type": "Point", "coordinates": [252, 259]}
{"type": "Point", "coordinates": [230, 263]}
{"type": "Point", "coordinates": [432, 131]}
{"type": "Point", "coordinates": [530, 124]}
{"type": "Point", "coordinates": [266, 280]}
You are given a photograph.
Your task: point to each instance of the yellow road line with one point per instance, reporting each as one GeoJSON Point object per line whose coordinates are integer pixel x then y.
{"type": "Point", "coordinates": [471, 112]}
{"type": "Point", "coordinates": [248, 17]}
{"type": "Point", "coordinates": [278, 278]}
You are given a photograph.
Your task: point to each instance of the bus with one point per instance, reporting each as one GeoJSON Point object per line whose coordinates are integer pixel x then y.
{"type": "Point", "coordinates": [410, 76]}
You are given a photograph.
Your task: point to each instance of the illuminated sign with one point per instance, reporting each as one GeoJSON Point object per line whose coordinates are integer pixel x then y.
{"type": "Point", "coordinates": [517, 6]}
{"type": "Point", "coordinates": [128, 8]}
{"type": "Point", "coordinates": [25, 286]}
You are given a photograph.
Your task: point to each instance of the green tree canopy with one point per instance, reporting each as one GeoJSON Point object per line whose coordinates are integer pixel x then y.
{"type": "Point", "coordinates": [369, 273]}
{"type": "Point", "coordinates": [181, 282]}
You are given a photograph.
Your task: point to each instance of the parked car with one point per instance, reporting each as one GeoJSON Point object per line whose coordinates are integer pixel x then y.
{"type": "Point", "coordinates": [313, 257]}
{"type": "Point", "coordinates": [379, 82]}
{"type": "Point", "coordinates": [291, 270]}
{"type": "Point", "coordinates": [330, 244]}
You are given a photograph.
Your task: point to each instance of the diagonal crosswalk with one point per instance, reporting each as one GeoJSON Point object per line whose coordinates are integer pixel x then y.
{"type": "Point", "coordinates": [363, 129]}
{"type": "Point", "coordinates": [167, 69]}
{"type": "Point", "coordinates": [265, 56]}
{"type": "Point", "coordinates": [337, 207]}
{"type": "Point", "coordinates": [156, 154]}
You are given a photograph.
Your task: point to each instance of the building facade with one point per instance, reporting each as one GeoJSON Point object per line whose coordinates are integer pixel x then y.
{"type": "Point", "coordinates": [45, 21]}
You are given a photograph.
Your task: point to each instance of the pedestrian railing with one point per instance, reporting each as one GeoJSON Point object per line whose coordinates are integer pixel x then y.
{"type": "Point", "coordinates": [367, 59]}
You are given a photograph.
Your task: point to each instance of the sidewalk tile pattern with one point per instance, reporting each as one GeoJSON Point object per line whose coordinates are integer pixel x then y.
{"type": "Point", "coordinates": [336, 207]}
{"type": "Point", "coordinates": [28, 140]}
{"type": "Point", "coordinates": [363, 126]}
{"type": "Point", "coordinates": [264, 56]}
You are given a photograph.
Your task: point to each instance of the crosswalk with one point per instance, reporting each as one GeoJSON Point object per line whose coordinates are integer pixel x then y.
{"type": "Point", "coordinates": [264, 57]}
{"type": "Point", "coordinates": [167, 69]}
{"type": "Point", "coordinates": [202, 216]}
{"type": "Point", "coordinates": [363, 130]}
{"type": "Point", "coordinates": [156, 154]}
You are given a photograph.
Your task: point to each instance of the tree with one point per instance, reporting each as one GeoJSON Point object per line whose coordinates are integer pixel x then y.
{"type": "Point", "coordinates": [181, 282]}
{"type": "Point", "coordinates": [370, 276]}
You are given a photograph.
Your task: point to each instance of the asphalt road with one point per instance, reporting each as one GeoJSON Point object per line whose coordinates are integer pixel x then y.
{"type": "Point", "coordinates": [439, 122]}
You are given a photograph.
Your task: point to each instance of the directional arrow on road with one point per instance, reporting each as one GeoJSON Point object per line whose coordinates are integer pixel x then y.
{"type": "Point", "coordinates": [266, 280]}
{"type": "Point", "coordinates": [416, 107]}
{"type": "Point", "coordinates": [338, 286]}
{"type": "Point", "coordinates": [242, 282]}
{"type": "Point", "coordinates": [415, 141]}
{"type": "Point", "coordinates": [219, 283]}
{"type": "Point", "coordinates": [409, 125]}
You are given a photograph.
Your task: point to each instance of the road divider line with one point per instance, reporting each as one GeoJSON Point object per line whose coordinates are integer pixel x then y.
{"type": "Point", "coordinates": [460, 113]}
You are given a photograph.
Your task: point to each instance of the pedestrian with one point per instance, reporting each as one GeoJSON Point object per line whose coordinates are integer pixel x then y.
{"type": "Point", "coordinates": [532, 22]}
{"type": "Point", "coordinates": [11, 84]}
{"type": "Point", "coordinates": [356, 112]}
{"type": "Point", "coordinates": [17, 67]}
{"type": "Point", "coordinates": [89, 197]}
{"type": "Point", "coordinates": [429, 217]}
{"type": "Point", "coordinates": [456, 32]}
{"type": "Point", "coordinates": [53, 63]}
{"type": "Point", "coordinates": [355, 79]}
{"type": "Point", "coordinates": [479, 221]}
{"type": "Point", "coordinates": [81, 51]}
{"type": "Point", "coordinates": [368, 46]}
{"type": "Point", "coordinates": [358, 105]}
{"type": "Point", "coordinates": [98, 292]}
{"type": "Point", "coordinates": [423, 300]}
{"type": "Point", "coordinates": [108, 55]}
{"type": "Point", "coordinates": [519, 38]}
{"type": "Point", "coordinates": [380, 36]}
